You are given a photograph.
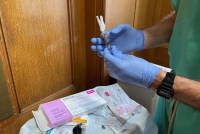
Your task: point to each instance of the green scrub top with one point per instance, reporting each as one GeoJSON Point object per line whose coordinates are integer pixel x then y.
{"type": "Point", "coordinates": [184, 52]}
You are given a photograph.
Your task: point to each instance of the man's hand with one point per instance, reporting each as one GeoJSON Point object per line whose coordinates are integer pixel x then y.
{"type": "Point", "coordinates": [129, 68]}
{"type": "Point", "coordinates": [123, 36]}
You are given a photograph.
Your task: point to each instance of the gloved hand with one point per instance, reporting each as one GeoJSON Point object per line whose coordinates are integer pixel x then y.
{"type": "Point", "coordinates": [129, 68]}
{"type": "Point", "coordinates": [123, 36]}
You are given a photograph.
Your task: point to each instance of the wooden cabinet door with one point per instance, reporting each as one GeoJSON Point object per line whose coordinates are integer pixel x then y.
{"type": "Point", "coordinates": [42, 54]}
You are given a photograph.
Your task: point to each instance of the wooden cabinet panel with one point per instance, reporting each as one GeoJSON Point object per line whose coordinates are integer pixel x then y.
{"type": "Point", "coordinates": [93, 8]}
{"type": "Point", "coordinates": [44, 54]}
{"type": "Point", "coordinates": [78, 40]}
{"type": "Point", "coordinates": [163, 8]}
{"type": "Point", "coordinates": [119, 12]}
{"type": "Point", "coordinates": [43, 48]}
{"type": "Point", "coordinates": [37, 39]}
{"type": "Point", "coordinates": [144, 13]}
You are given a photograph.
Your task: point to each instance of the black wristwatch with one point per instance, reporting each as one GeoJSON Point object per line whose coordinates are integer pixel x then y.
{"type": "Point", "coordinates": [165, 89]}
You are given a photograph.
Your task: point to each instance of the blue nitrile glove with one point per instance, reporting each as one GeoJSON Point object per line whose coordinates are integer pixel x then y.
{"type": "Point", "coordinates": [129, 68]}
{"type": "Point", "coordinates": [123, 36]}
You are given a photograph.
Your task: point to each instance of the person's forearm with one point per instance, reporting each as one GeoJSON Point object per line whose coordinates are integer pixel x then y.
{"type": "Point", "coordinates": [185, 90]}
{"type": "Point", "coordinates": [159, 33]}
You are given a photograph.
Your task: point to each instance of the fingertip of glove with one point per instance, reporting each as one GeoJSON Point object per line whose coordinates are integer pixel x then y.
{"type": "Point", "coordinates": [94, 48]}
{"type": "Point", "coordinates": [94, 40]}
{"type": "Point", "coordinates": [99, 48]}
{"type": "Point", "coordinates": [100, 53]}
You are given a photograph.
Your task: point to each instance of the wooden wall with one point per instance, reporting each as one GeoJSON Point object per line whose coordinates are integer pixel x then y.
{"type": "Point", "coordinates": [44, 55]}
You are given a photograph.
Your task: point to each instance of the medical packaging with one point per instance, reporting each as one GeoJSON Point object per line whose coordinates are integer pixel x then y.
{"type": "Point", "coordinates": [118, 102]}
{"type": "Point", "coordinates": [58, 112]}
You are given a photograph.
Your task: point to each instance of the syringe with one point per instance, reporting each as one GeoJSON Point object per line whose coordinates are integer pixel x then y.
{"type": "Point", "coordinates": [102, 29]}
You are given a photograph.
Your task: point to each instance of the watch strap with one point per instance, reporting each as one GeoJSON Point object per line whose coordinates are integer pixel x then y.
{"type": "Point", "coordinates": [165, 89]}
